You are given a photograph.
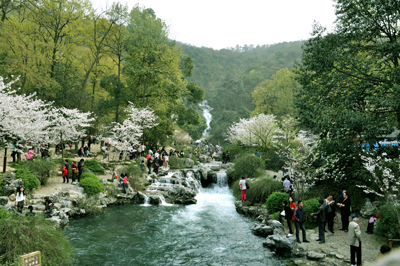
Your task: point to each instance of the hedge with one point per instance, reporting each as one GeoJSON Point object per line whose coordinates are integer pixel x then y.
{"type": "Point", "coordinates": [274, 202]}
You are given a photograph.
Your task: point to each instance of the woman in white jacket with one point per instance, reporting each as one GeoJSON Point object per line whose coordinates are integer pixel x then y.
{"type": "Point", "coordinates": [20, 199]}
{"type": "Point", "coordinates": [242, 186]}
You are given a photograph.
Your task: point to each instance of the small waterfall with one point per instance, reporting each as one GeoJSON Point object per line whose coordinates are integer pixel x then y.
{"type": "Point", "coordinates": [163, 202]}
{"type": "Point", "coordinates": [146, 200]}
{"type": "Point", "coordinates": [207, 115]}
{"type": "Point", "coordinates": [222, 180]}
{"type": "Point", "coordinates": [192, 181]}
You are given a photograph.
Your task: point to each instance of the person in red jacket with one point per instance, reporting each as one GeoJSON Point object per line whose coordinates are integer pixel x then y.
{"type": "Point", "coordinates": [65, 172]}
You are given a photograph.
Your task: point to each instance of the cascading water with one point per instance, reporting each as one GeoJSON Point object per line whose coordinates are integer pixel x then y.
{"type": "Point", "coordinates": [207, 115]}
{"type": "Point", "coordinates": [210, 232]}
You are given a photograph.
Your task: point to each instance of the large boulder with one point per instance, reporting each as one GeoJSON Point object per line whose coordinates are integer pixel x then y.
{"type": "Point", "coordinates": [262, 230]}
{"type": "Point", "coordinates": [312, 255]}
{"type": "Point", "coordinates": [203, 173]}
{"type": "Point", "coordinates": [11, 186]}
{"type": "Point", "coordinates": [3, 200]}
{"type": "Point", "coordinates": [188, 162]}
{"type": "Point", "coordinates": [182, 195]}
{"type": "Point", "coordinates": [205, 159]}
{"type": "Point", "coordinates": [282, 243]}
{"type": "Point", "coordinates": [215, 168]}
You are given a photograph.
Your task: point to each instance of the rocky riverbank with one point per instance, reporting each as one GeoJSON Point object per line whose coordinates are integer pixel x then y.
{"type": "Point", "coordinates": [335, 252]}
{"type": "Point", "coordinates": [168, 187]}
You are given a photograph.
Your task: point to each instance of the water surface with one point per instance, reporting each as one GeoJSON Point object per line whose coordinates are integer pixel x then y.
{"type": "Point", "coordinates": [208, 233]}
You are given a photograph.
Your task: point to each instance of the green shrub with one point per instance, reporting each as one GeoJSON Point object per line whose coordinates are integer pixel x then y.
{"type": "Point", "coordinates": [22, 235]}
{"type": "Point", "coordinates": [274, 202]}
{"type": "Point", "coordinates": [175, 163]}
{"type": "Point", "coordinates": [4, 213]}
{"type": "Point", "coordinates": [41, 168]}
{"type": "Point", "coordinates": [136, 178]}
{"type": "Point", "coordinates": [94, 166]}
{"type": "Point", "coordinates": [29, 179]}
{"type": "Point", "coordinates": [248, 166]}
{"type": "Point", "coordinates": [259, 190]}
{"type": "Point", "coordinates": [387, 225]}
{"type": "Point", "coordinates": [274, 163]}
{"type": "Point", "coordinates": [92, 185]}
{"type": "Point", "coordinates": [89, 204]}
{"type": "Point", "coordinates": [275, 216]}
{"type": "Point", "coordinates": [194, 158]}
{"type": "Point", "coordinates": [88, 175]}
{"type": "Point", "coordinates": [311, 206]}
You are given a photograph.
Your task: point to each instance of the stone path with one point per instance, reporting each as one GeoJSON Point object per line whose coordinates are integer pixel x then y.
{"type": "Point", "coordinates": [337, 244]}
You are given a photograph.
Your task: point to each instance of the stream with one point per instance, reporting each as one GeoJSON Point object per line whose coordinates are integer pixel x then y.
{"type": "Point", "coordinates": [210, 232]}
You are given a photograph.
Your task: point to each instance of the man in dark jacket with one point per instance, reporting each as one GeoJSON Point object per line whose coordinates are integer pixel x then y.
{"type": "Point", "coordinates": [299, 220]}
{"type": "Point", "coordinates": [321, 219]}
{"type": "Point", "coordinates": [345, 206]}
{"type": "Point", "coordinates": [81, 164]}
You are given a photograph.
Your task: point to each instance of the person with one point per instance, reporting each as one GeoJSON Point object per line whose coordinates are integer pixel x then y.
{"type": "Point", "coordinates": [124, 182]}
{"type": "Point", "coordinates": [75, 171]}
{"type": "Point", "coordinates": [155, 166]}
{"type": "Point", "coordinates": [30, 213]}
{"type": "Point", "coordinates": [321, 218]}
{"type": "Point", "coordinates": [330, 212]}
{"type": "Point", "coordinates": [166, 160]}
{"type": "Point", "coordinates": [345, 211]}
{"type": "Point", "coordinates": [14, 151]}
{"type": "Point", "coordinates": [354, 236]}
{"type": "Point", "coordinates": [29, 154]}
{"type": "Point", "coordinates": [142, 165]}
{"type": "Point", "coordinates": [228, 157]}
{"type": "Point", "coordinates": [284, 170]}
{"type": "Point", "coordinates": [288, 216]}
{"type": "Point", "coordinates": [292, 206]}
{"type": "Point", "coordinates": [242, 186]}
{"type": "Point", "coordinates": [149, 164]}
{"type": "Point", "coordinates": [80, 169]}
{"type": "Point", "coordinates": [143, 149]}
{"type": "Point", "coordinates": [258, 154]}
{"type": "Point", "coordinates": [65, 172]}
{"type": "Point", "coordinates": [299, 220]}
{"type": "Point", "coordinates": [286, 184]}
{"type": "Point", "coordinates": [48, 208]}
{"type": "Point", "coordinates": [20, 199]}
{"type": "Point", "coordinates": [283, 213]}
{"type": "Point", "coordinates": [223, 157]}
{"type": "Point", "coordinates": [190, 155]}
{"type": "Point", "coordinates": [370, 227]}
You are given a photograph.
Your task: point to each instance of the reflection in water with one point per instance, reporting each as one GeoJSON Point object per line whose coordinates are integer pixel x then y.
{"type": "Point", "coordinates": [208, 233]}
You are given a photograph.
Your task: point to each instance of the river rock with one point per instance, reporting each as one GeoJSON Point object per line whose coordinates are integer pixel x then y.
{"type": "Point", "coordinates": [275, 224]}
{"type": "Point", "coordinates": [262, 230]}
{"type": "Point", "coordinates": [182, 195]}
{"type": "Point", "coordinates": [139, 198]}
{"type": "Point", "coordinates": [188, 162]}
{"type": "Point", "coordinates": [205, 159]}
{"type": "Point", "coordinates": [312, 255]}
{"type": "Point", "coordinates": [154, 200]}
{"type": "Point", "coordinates": [3, 200]}
{"type": "Point", "coordinates": [12, 197]}
{"type": "Point", "coordinates": [203, 173]}
{"type": "Point", "coordinates": [225, 166]}
{"type": "Point", "coordinates": [215, 168]}
{"type": "Point", "coordinates": [12, 186]}
{"type": "Point", "coordinates": [269, 243]}
{"type": "Point", "coordinates": [283, 242]}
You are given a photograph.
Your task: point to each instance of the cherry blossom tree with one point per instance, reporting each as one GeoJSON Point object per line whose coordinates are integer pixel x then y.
{"type": "Point", "coordinates": [260, 130]}
{"type": "Point", "coordinates": [23, 119]}
{"type": "Point", "coordinates": [124, 136]}
{"type": "Point", "coordinates": [384, 180]}
{"type": "Point", "coordinates": [69, 125]}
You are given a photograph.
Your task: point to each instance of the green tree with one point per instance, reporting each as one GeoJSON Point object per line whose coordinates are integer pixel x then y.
{"type": "Point", "coordinates": [275, 95]}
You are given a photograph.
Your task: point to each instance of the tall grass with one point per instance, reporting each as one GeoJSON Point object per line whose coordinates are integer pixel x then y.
{"type": "Point", "coordinates": [248, 166]}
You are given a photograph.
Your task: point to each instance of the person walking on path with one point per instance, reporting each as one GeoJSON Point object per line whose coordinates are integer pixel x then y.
{"type": "Point", "coordinates": [299, 220]}
{"type": "Point", "coordinates": [149, 163]}
{"type": "Point", "coordinates": [354, 236]}
{"type": "Point", "coordinates": [321, 218]}
{"type": "Point", "coordinates": [81, 164]}
{"type": "Point", "coordinates": [20, 199]}
{"type": "Point", "coordinates": [65, 172]}
{"type": "Point", "coordinates": [345, 211]}
{"type": "Point", "coordinates": [75, 171]}
{"type": "Point", "coordinates": [29, 154]}
{"type": "Point", "coordinates": [125, 179]}
{"type": "Point", "coordinates": [288, 216]}
{"type": "Point", "coordinates": [242, 186]}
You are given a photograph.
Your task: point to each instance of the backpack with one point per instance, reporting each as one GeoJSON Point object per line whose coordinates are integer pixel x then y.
{"type": "Point", "coordinates": [65, 170]}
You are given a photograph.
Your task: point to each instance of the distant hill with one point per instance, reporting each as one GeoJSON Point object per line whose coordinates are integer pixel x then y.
{"type": "Point", "coordinates": [229, 77]}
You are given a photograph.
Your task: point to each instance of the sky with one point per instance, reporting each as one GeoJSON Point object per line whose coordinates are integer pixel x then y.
{"type": "Point", "coordinates": [222, 24]}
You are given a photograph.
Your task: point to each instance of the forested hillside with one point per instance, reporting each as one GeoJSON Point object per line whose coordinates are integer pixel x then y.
{"type": "Point", "coordinates": [230, 76]}
{"type": "Point", "coordinates": [74, 56]}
